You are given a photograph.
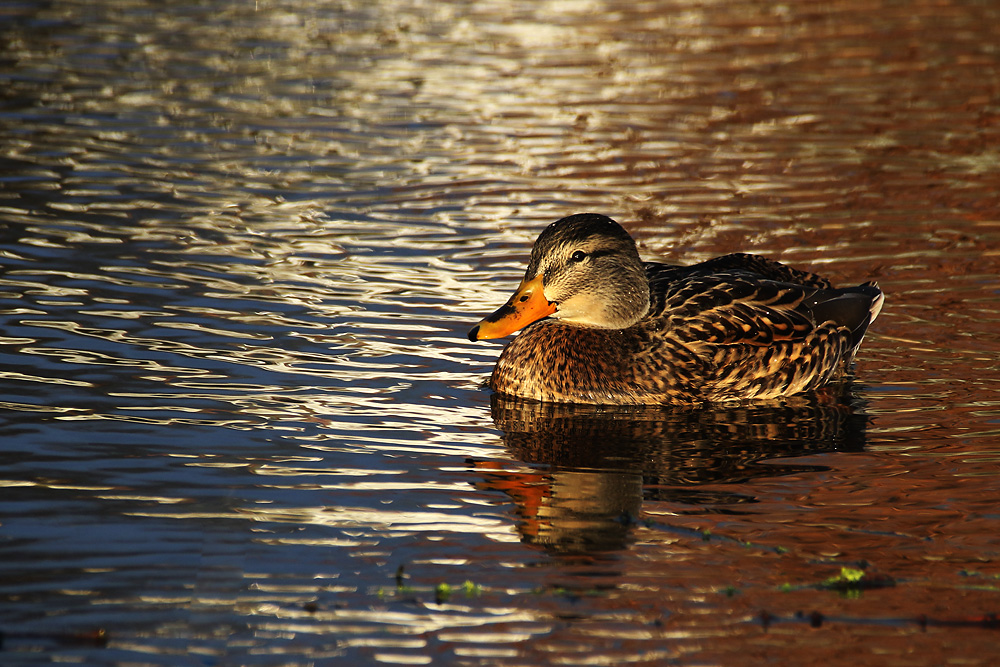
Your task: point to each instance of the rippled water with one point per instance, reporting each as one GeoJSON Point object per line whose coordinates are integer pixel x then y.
{"type": "Point", "coordinates": [241, 245]}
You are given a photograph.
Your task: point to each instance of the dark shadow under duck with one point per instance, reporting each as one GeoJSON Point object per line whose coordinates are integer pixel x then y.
{"type": "Point", "coordinates": [601, 326]}
{"type": "Point", "coordinates": [590, 467]}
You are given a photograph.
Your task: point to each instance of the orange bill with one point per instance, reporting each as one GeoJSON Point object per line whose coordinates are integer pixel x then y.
{"type": "Point", "coordinates": [526, 306]}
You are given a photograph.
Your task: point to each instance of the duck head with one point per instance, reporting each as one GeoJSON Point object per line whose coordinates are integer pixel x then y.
{"type": "Point", "coordinates": [585, 270]}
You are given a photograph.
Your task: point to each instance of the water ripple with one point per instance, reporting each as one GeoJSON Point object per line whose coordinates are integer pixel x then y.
{"type": "Point", "coordinates": [240, 248]}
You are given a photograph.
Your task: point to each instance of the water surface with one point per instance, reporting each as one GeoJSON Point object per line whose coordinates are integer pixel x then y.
{"type": "Point", "coordinates": [242, 243]}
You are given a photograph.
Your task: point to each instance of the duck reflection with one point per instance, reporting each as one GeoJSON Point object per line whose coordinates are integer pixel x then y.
{"type": "Point", "coordinates": [595, 465]}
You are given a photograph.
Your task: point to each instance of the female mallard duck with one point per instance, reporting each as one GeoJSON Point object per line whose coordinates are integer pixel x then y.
{"type": "Point", "coordinates": [600, 326]}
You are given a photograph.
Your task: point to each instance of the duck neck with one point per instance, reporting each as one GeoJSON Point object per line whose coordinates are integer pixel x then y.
{"type": "Point", "coordinates": [623, 303]}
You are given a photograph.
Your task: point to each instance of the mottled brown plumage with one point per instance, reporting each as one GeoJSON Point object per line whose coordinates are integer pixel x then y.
{"type": "Point", "coordinates": [619, 331]}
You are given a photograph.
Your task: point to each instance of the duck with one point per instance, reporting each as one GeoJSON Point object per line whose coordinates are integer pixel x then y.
{"type": "Point", "coordinates": [600, 326]}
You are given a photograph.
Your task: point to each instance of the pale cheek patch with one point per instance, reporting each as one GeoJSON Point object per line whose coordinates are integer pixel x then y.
{"type": "Point", "coordinates": [582, 309]}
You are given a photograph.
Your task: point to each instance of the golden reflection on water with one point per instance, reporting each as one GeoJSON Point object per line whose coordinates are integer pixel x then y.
{"type": "Point", "coordinates": [240, 246]}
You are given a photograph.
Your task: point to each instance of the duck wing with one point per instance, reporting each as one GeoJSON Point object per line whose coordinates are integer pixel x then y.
{"type": "Point", "coordinates": [760, 326]}
{"type": "Point", "coordinates": [742, 298]}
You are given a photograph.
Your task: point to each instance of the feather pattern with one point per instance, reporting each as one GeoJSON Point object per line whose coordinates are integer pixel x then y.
{"type": "Point", "coordinates": [732, 328]}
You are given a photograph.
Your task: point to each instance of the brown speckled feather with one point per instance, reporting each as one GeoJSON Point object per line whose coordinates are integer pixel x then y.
{"type": "Point", "coordinates": [616, 330]}
{"type": "Point", "coordinates": [735, 327]}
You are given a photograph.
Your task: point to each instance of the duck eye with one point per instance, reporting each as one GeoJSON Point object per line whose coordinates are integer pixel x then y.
{"type": "Point", "coordinates": [578, 256]}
